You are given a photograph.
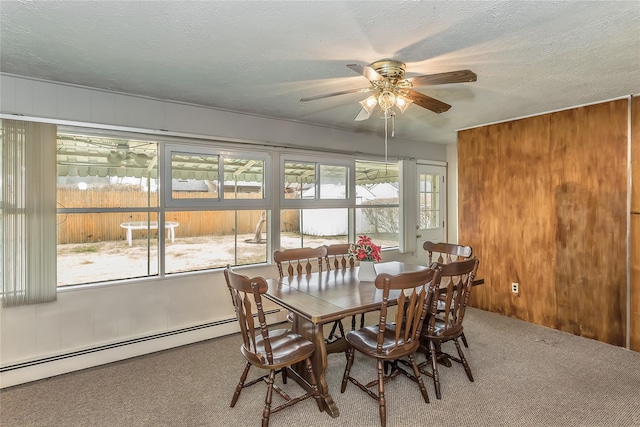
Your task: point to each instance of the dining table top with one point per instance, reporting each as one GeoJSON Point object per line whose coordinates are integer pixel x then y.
{"type": "Point", "coordinates": [326, 296]}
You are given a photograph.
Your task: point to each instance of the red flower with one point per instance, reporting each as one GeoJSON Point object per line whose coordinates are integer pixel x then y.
{"type": "Point", "coordinates": [365, 250]}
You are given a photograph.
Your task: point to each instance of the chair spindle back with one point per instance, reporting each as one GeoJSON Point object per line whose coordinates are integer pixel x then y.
{"type": "Point", "coordinates": [299, 261]}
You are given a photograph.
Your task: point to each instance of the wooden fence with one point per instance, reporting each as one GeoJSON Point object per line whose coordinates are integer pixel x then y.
{"type": "Point", "coordinates": [100, 227]}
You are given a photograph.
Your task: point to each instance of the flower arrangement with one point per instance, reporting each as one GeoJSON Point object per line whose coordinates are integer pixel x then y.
{"type": "Point", "coordinates": [365, 250]}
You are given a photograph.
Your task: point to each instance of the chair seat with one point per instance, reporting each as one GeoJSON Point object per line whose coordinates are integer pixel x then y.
{"type": "Point", "coordinates": [365, 340]}
{"type": "Point", "coordinates": [440, 332]}
{"type": "Point", "coordinates": [287, 348]}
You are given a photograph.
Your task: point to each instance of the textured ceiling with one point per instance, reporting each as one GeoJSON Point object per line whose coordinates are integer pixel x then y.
{"type": "Point", "coordinates": [262, 57]}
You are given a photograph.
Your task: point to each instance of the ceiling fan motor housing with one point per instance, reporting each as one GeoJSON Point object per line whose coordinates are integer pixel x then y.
{"type": "Point", "coordinates": [389, 69]}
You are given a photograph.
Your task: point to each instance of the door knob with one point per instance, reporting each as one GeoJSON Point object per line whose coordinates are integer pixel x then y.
{"type": "Point", "coordinates": [418, 236]}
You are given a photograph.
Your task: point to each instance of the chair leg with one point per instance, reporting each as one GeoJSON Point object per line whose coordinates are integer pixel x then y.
{"type": "Point", "coordinates": [464, 340]}
{"type": "Point", "coordinates": [243, 378]}
{"type": "Point", "coordinates": [418, 375]}
{"type": "Point", "coordinates": [314, 386]}
{"type": "Point", "coordinates": [347, 369]}
{"type": "Point", "coordinates": [381, 398]}
{"type": "Point", "coordinates": [464, 360]}
{"type": "Point", "coordinates": [267, 401]}
{"type": "Point", "coordinates": [390, 366]}
{"type": "Point", "coordinates": [434, 367]}
{"type": "Point", "coordinates": [284, 375]}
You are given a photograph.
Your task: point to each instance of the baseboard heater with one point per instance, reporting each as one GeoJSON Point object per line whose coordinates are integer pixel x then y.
{"type": "Point", "coordinates": [120, 344]}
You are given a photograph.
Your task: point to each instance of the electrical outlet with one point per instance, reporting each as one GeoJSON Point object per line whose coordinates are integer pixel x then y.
{"type": "Point", "coordinates": [515, 287]}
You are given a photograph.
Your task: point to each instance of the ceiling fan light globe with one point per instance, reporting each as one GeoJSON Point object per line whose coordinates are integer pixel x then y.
{"type": "Point", "coordinates": [402, 103]}
{"type": "Point", "coordinates": [369, 104]}
{"type": "Point", "coordinates": [386, 100]}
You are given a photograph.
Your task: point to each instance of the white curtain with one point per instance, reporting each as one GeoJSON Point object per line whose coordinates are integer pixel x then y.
{"type": "Point", "coordinates": [28, 213]}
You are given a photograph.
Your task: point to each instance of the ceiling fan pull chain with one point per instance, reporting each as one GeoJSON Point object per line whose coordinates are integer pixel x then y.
{"type": "Point", "coordinates": [386, 117]}
{"type": "Point", "coordinates": [393, 125]}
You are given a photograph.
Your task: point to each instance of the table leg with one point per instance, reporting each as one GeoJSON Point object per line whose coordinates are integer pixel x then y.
{"type": "Point", "coordinates": [314, 333]}
{"type": "Point", "coordinates": [129, 237]}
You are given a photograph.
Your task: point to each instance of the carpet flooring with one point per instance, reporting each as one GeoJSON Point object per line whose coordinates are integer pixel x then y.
{"type": "Point", "coordinates": [525, 375]}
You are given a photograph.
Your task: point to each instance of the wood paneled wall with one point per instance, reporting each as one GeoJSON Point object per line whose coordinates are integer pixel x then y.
{"type": "Point", "coordinates": [543, 202]}
{"type": "Point", "coordinates": [634, 330]}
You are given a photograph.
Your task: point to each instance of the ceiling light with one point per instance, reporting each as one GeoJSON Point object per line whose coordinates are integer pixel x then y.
{"type": "Point", "coordinates": [386, 100]}
{"type": "Point", "coordinates": [402, 103]}
{"type": "Point", "coordinates": [370, 103]}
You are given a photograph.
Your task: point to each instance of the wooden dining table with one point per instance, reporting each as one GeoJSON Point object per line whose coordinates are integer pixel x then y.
{"type": "Point", "coordinates": [323, 297]}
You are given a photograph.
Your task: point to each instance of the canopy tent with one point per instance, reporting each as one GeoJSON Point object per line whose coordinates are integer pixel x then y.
{"type": "Point", "coordinates": [97, 156]}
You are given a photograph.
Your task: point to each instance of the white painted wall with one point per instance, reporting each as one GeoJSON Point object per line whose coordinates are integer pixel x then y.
{"type": "Point", "coordinates": [88, 317]}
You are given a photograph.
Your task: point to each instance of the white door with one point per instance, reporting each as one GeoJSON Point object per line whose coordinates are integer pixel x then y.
{"type": "Point", "coordinates": [432, 200]}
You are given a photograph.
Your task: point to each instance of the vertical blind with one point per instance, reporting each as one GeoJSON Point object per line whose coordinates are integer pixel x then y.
{"type": "Point", "coordinates": [28, 213]}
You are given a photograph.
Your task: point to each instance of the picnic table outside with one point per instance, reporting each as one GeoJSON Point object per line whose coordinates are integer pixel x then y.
{"type": "Point", "coordinates": [153, 225]}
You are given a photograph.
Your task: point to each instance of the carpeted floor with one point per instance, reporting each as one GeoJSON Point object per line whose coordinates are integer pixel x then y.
{"type": "Point", "coordinates": [525, 375]}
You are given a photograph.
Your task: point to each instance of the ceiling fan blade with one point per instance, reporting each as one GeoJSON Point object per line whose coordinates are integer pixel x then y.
{"type": "Point", "coordinates": [362, 115]}
{"type": "Point", "coordinates": [427, 102]}
{"type": "Point", "coordinates": [344, 92]}
{"type": "Point", "coordinates": [460, 76]}
{"type": "Point", "coordinates": [366, 71]}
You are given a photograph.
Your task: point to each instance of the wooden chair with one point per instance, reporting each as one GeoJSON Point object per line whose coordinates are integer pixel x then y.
{"type": "Point", "coordinates": [446, 253]}
{"type": "Point", "coordinates": [387, 342]}
{"type": "Point", "coordinates": [274, 351]}
{"type": "Point", "coordinates": [299, 261]}
{"type": "Point", "coordinates": [338, 259]}
{"type": "Point", "coordinates": [446, 325]}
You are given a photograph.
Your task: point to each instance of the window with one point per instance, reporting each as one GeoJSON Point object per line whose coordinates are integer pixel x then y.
{"type": "Point", "coordinates": [377, 201]}
{"type": "Point", "coordinates": [323, 182]}
{"type": "Point", "coordinates": [313, 227]}
{"type": "Point", "coordinates": [107, 200]}
{"type": "Point", "coordinates": [113, 223]}
{"type": "Point", "coordinates": [334, 211]}
{"type": "Point", "coordinates": [216, 238]}
{"type": "Point", "coordinates": [197, 180]}
{"type": "Point", "coordinates": [429, 206]}
{"type": "Point", "coordinates": [134, 206]}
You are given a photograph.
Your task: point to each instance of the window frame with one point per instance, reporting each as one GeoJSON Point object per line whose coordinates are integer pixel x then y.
{"type": "Point", "coordinates": [317, 201]}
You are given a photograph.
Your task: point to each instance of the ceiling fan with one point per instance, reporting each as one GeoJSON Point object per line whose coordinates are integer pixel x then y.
{"type": "Point", "coordinates": [393, 90]}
